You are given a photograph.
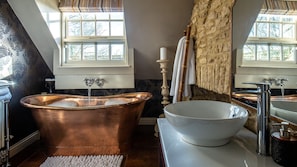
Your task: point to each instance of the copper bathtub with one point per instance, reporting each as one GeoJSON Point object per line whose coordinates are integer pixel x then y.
{"type": "Point", "coordinates": [78, 125]}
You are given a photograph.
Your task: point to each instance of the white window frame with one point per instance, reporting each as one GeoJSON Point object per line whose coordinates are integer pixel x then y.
{"type": "Point", "coordinates": [116, 74]}
{"type": "Point", "coordinates": [258, 71]}
{"type": "Point", "coordinates": [93, 40]}
{"type": "Point", "coordinates": [271, 41]}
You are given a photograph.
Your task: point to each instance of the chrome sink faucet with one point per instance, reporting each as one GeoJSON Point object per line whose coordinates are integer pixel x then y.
{"type": "Point", "coordinates": [263, 114]}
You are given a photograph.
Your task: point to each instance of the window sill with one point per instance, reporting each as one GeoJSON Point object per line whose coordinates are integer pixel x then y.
{"type": "Point", "coordinates": [101, 66]}
{"type": "Point", "coordinates": [267, 66]}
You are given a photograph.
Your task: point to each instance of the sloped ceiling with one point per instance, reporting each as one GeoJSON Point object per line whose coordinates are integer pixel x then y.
{"type": "Point", "coordinates": [244, 15]}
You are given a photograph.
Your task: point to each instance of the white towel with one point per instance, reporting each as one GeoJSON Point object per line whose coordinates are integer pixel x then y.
{"type": "Point", "coordinates": [5, 94]}
{"type": "Point", "coordinates": [190, 77]}
{"type": "Point", "coordinates": [4, 91]}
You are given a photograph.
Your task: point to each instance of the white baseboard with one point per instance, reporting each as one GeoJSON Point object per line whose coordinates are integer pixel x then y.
{"type": "Point", "coordinates": [22, 144]}
{"type": "Point", "coordinates": [33, 137]}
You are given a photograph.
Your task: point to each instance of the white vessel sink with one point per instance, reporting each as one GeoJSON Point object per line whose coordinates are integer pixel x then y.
{"type": "Point", "coordinates": [206, 122]}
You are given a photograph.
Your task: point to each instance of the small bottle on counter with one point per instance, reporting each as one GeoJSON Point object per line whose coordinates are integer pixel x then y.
{"type": "Point", "coordinates": [284, 146]}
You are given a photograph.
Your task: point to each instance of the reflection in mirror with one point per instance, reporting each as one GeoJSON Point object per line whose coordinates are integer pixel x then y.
{"type": "Point", "coordinates": [283, 108]}
{"type": "Point", "coordinates": [5, 62]}
{"type": "Point", "coordinates": [264, 49]}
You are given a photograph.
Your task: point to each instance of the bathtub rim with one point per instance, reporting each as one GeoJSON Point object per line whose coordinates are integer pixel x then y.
{"type": "Point", "coordinates": [145, 96]}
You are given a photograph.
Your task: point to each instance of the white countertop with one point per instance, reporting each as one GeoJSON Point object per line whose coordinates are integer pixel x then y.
{"type": "Point", "coordinates": [239, 152]}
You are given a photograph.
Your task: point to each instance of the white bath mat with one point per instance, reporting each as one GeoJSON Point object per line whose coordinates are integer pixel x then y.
{"type": "Point", "coordinates": [84, 161]}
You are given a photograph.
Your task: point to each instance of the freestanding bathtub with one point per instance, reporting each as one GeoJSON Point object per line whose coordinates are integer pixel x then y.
{"type": "Point", "coordinates": [78, 125]}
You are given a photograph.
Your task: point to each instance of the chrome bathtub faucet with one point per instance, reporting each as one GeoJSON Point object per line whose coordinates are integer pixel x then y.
{"type": "Point", "coordinates": [275, 81]}
{"type": "Point", "coordinates": [271, 81]}
{"type": "Point", "coordinates": [100, 82]}
{"type": "Point", "coordinates": [89, 81]}
{"type": "Point", "coordinates": [280, 81]}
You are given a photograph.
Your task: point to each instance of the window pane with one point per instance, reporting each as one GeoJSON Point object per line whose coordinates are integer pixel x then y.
{"type": "Point", "coordinates": [275, 18]}
{"type": "Point", "coordinates": [88, 28]}
{"type": "Point", "coordinates": [275, 53]}
{"type": "Point", "coordinates": [249, 52]}
{"type": "Point", "coordinates": [102, 28]}
{"type": "Point", "coordinates": [88, 51]}
{"type": "Point", "coordinates": [288, 30]}
{"type": "Point", "coordinates": [117, 51]}
{"type": "Point", "coordinates": [117, 15]}
{"type": "Point", "coordinates": [88, 16]}
{"type": "Point", "coordinates": [252, 32]}
{"type": "Point", "coordinates": [262, 52]}
{"type": "Point", "coordinates": [262, 29]}
{"type": "Point", "coordinates": [117, 28]}
{"type": "Point", "coordinates": [72, 16]}
{"type": "Point", "coordinates": [102, 16]}
{"type": "Point", "coordinates": [103, 52]}
{"type": "Point", "coordinates": [275, 30]}
{"type": "Point", "coordinates": [288, 53]}
{"type": "Point", "coordinates": [288, 19]}
{"type": "Point", "coordinates": [74, 52]}
{"type": "Point", "coordinates": [74, 29]}
{"type": "Point", "coordinates": [262, 17]}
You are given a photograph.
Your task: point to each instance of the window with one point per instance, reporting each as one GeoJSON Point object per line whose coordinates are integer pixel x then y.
{"type": "Point", "coordinates": [94, 45]}
{"type": "Point", "coordinates": [271, 42]}
{"type": "Point", "coordinates": [94, 40]}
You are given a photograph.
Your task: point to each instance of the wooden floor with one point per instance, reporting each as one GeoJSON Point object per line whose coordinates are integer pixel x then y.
{"type": "Point", "coordinates": [145, 151]}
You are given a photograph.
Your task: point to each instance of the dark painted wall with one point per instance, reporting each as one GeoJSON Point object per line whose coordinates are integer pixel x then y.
{"type": "Point", "coordinates": [30, 71]}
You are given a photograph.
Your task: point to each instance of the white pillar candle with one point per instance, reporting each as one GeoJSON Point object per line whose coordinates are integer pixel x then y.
{"type": "Point", "coordinates": [163, 53]}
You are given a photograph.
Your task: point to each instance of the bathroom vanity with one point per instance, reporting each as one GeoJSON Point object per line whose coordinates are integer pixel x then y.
{"type": "Point", "coordinates": [239, 152]}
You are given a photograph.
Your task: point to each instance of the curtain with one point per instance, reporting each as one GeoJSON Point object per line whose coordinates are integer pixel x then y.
{"type": "Point", "coordinates": [283, 7]}
{"type": "Point", "coordinates": [91, 6]}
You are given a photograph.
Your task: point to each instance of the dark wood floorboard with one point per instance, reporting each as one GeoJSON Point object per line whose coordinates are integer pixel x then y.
{"type": "Point", "coordinates": [144, 152]}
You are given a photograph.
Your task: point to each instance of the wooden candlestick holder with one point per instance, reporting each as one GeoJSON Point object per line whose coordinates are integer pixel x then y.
{"type": "Point", "coordinates": [164, 90]}
{"type": "Point", "coordinates": [164, 87]}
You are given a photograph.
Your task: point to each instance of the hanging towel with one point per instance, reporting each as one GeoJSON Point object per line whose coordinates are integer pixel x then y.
{"type": "Point", "coordinates": [4, 93]}
{"type": "Point", "coordinates": [190, 77]}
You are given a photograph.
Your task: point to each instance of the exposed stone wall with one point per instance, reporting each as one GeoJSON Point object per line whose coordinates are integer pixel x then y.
{"type": "Point", "coordinates": [211, 29]}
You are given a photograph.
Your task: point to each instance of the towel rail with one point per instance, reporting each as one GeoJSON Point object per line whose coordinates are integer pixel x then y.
{"type": "Point", "coordinates": [184, 64]}
{"type": "Point", "coordinates": [182, 81]}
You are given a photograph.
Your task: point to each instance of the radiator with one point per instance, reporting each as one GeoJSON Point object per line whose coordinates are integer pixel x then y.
{"type": "Point", "coordinates": [2, 124]}
{"type": "Point", "coordinates": [5, 97]}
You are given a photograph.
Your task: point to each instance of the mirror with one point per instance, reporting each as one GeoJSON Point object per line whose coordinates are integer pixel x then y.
{"type": "Point", "coordinates": [5, 62]}
{"type": "Point", "coordinates": [244, 15]}
{"type": "Point", "coordinates": [283, 108]}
